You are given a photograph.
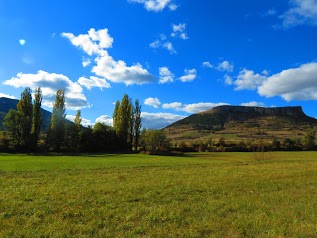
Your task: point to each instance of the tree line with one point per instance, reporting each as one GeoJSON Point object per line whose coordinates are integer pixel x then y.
{"type": "Point", "coordinates": [23, 127]}
{"type": "Point", "coordinates": [23, 132]}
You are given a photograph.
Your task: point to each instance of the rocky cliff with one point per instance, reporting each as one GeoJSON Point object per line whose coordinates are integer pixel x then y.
{"type": "Point", "coordinates": [243, 122]}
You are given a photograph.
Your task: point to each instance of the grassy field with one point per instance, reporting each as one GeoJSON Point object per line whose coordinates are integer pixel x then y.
{"type": "Point", "coordinates": [197, 195]}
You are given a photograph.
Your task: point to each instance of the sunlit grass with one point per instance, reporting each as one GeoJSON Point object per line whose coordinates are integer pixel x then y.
{"type": "Point", "coordinates": [198, 195]}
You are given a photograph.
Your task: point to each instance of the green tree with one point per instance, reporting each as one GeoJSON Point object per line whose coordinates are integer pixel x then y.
{"type": "Point", "coordinates": [156, 141]}
{"type": "Point", "coordinates": [123, 121]}
{"type": "Point", "coordinates": [26, 108]}
{"type": "Point", "coordinates": [115, 115]}
{"type": "Point", "coordinates": [309, 139]}
{"type": "Point", "coordinates": [14, 122]}
{"type": "Point", "coordinates": [58, 122]}
{"type": "Point", "coordinates": [137, 124]}
{"type": "Point", "coordinates": [73, 133]}
{"type": "Point", "coordinates": [37, 116]}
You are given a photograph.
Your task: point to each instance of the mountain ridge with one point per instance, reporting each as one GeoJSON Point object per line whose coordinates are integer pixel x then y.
{"type": "Point", "coordinates": [242, 122]}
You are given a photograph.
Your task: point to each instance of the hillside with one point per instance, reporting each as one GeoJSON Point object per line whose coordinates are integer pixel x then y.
{"type": "Point", "coordinates": [237, 123]}
{"type": "Point", "coordinates": [6, 104]}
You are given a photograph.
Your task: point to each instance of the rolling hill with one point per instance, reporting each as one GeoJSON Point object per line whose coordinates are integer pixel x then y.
{"type": "Point", "coordinates": [237, 123]}
{"type": "Point", "coordinates": [6, 104]}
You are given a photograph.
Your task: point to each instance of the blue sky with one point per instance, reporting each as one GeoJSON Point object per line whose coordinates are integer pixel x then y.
{"type": "Point", "coordinates": [177, 57]}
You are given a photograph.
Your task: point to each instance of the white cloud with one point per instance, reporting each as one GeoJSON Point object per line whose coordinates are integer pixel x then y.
{"type": "Point", "coordinates": [292, 84]}
{"type": "Point", "coordinates": [301, 12]}
{"type": "Point", "coordinates": [179, 28]}
{"type": "Point", "coordinates": [84, 122]}
{"type": "Point", "coordinates": [253, 104]}
{"type": "Point", "coordinates": [22, 42]}
{"type": "Point", "coordinates": [166, 75]}
{"type": "Point", "coordinates": [173, 105]}
{"type": "Point", "coordinates": [169, 46]}
{"type": "Point", "coordinates": [96, 43]}
{"type": "Point", "coordinates": [192, 108]}
{"type": "Point", "coordinates": [159, 120]}
{"type": "Point", "coordinates": [92, 43]}
{"type": "Point", "coordinates": [247, 79]}
{"type": "Point", "coordinates": [155, 44]}
{"type": "Point", "coordinates": [200, 107]}
{"type": "Point", "coordinates": [156, 5]}
{"type": "Point", "coordinates": [93, 82]}
{"type": "Point", "coordinates": [86, 62]}
{"type": "Point", "coordinates": [105, 119]}
{"type": "Point", "coordinates": [225, 66]}
{"type": "Point", "coordinates": [50, 83]}
{"type": "Point", "coordinates": [207, 64]}
{"type": "Point", "coordinates": [228, 79]}
{"type": "Point", "coordinates": [190, 75]}
{"type": "Point", "coordinates": [179, 31]}
{"type": "Point", "coordinates": [172, 7]}
{"type": "Point", "coordinates": [3, 95]}
{"type": "Point", "coordinates": [154, 102]}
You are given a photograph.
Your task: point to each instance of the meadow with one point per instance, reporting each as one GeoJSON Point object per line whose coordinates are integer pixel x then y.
{"type": "Point", "coordinates": [195, 195]}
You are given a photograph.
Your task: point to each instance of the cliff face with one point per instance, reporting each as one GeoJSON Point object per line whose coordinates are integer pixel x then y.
{"type": "Point", "coordinates": [272, 111]}
{"type": "Point", "coordinates": [241, 122]}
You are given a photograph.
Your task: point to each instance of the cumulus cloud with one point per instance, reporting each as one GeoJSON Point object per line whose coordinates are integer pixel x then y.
{"type": "Point", "coordinates": [169, 46]}
{"type": "Point", "coordinates": [192, 108]}
{"type": "Point", "coordinates": [96, 43]}
{"type": "Point", "coordinates": [173, 105]}
{"type": "Point", "coordinates": [228, 79]}
{"type": "Point", "coordinates": [225, 66]}
{"type": "Point", "coordinates": [200, 107]}
{"type": "Point", "coordinates": [84, 122]}
{"type": "Point", "coordinates": [253, 104]}
{"type": "Point", "coordinates": [93, 82]}
{"type": "Point", "coordinates": [292, 84]}
{"type": "Point", "coordinates": [155, 44]}
{"type": "Point", "coordinates": [166, 75]}
{"type": "Point", "coordinates": [301, 12]}
{"type": "Point", "coordinates": [50, 83]}
{"type": "Point", "coordinates": [105, 119]}
{"type": "Point", "coordinates": [92, 43]}
{"type": "Point", "coordinates": [179, 31]}
{"type": "Point", "coordinates": [86, 62]}
{"type": "Point", "coordinates": [248, 79]}
{"type": "Point", "coordinates": [159, 120]}
{"type": "Point", "coordinates": [3, 95]}
{"type": "Point", "coordinates": [156, 5]}
{"type": "Point", "coordinates": [207, 64]}
{"type": "Point", "coordinates": [190, 75]}
{"type": "Point", "coordinates": [154, 102]}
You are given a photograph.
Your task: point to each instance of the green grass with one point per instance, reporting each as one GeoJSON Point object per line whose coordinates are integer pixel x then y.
{"type": "Point", "coordinates": [198, 195]}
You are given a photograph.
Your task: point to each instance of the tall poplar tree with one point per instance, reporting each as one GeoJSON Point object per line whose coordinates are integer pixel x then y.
{"type": "Point", "coordinates": [26, 108]}
{"type": "Point", "coordinates": [123, 121]}
{"type": "Point", "coordinates": [37, 116]}
{"type": "Point", "coordinates": [58, 121]}
{"type": "Point", "coordinates": [137, 124]}
{"type": "Point", "coordinates": [115, 116]}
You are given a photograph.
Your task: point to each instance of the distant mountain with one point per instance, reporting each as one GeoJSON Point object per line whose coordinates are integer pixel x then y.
{"type": "Point", "coordinates": [236, 123]}
{"type": "Point", "coordinates": [6, 104]}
